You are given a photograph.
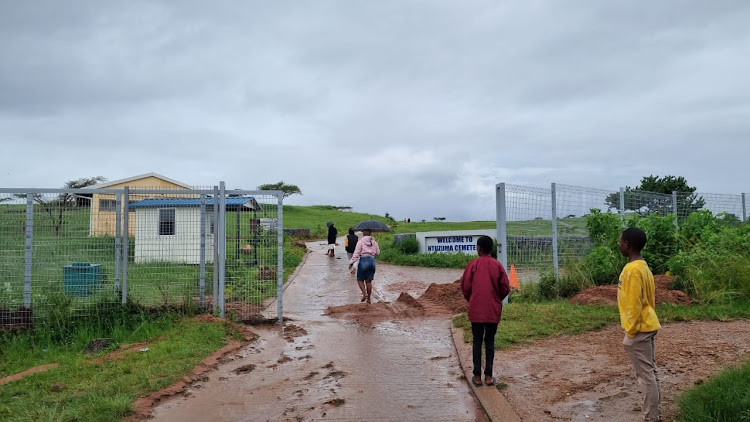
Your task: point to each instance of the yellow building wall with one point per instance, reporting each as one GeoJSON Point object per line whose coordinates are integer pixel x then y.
{"type": "Point", "coordinates": [103, 223]}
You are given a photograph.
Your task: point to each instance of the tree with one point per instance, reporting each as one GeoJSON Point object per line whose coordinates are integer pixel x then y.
{"type": "Point", "coordinates": [641, 200]}
{"type": "Point", "coordinates": [343, 208]}
{"type": "Point", "coordinates": [55, 207]}
{"type": "Point", "coordinates": [438, 219]}
{"type": "Point", "coordinates": [288, 190]}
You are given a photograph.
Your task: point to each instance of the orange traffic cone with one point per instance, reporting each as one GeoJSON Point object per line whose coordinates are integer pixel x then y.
{"type": "Point", "coordinates": [514, 283]}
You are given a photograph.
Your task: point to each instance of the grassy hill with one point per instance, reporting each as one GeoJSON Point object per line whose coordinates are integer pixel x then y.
{"type": "Point", "coordinates": [316, 216]}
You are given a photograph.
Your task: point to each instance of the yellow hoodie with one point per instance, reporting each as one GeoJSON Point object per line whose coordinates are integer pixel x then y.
{"type": "Point", "coordinates": [636, 299]}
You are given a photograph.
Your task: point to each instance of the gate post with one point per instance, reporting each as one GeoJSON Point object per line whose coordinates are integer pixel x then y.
{"type": "Point", "coordinates": [29, 246]}
{"type": "Point", "coordinates": [222, 239]}
{"type": "Point", "coordinates": [118, 240]}
{"type": "Point", "coordinates": [502, 234]}
{"type": "Point", "coordinates": [126, 244]}
{"type": "Point", "coordinates": [280, 259]}
{"type": "Point", "coordinates": [555, 259]}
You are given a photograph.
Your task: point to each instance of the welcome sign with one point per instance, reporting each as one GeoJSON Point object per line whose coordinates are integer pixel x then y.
{"type": "Point", "coordinates": [463, 241]}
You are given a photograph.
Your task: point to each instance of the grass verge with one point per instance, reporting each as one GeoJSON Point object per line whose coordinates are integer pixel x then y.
{"type": "Point", "coordinates": [725, 398]}
{"type": "Point", "coordinates": [84, 388]}
{"type": "Point", "coordinates": [526, 322]}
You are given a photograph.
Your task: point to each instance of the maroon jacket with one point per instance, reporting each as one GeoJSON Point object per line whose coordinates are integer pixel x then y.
{"type": "Point", "coordinates": [485, 285]}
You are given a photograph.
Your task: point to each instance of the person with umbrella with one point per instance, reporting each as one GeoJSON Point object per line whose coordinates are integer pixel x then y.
{"type": "Point", "coordinates": [332, 232]}
{"type": "Point", "coordinates": [366, 251]}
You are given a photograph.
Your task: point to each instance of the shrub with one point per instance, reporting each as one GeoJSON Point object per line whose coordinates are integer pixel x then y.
{"type": "Point", "coordinates": [573, 279]}
{"type": "Point", "coordinates": [728, 219]}
{"type": "Point", "coordinates": [662, 241]}
{"type": "Point", "coordinates": [548, 286]}
{"type": "Point", "coordinates": [603, 265]}
{"type": "Point", "coordinates": [718, 269]}
{"type": "Point", "coordinates": [409, 245]}
{"type": "Point", "coordinates": [604, 228]}
{"type": "Point", "coordinates": [569, 287]}
{"type": "Point", "coordinates": [698, 225]}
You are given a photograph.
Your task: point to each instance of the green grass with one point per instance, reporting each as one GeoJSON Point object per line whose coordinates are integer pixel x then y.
{"type": "Point", "coordinates": [526, 322]}
{"type": "Point", "coordinates": [725, 398]}
{"type": "Point", "coordinates": [315, 218]}
{"type": "Point", "coordinates": [101, 391]}
{"type": "Point", "coordinates": [59, 337]}
{"type": "Point", "coordinates": [434, 226]}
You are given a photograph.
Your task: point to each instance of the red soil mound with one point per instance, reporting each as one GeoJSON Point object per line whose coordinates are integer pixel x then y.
{"type": "Point", "coordinates": [448, 296]}
{"type": "Point", "coordinates": [408, 300]}
{"type": "Point", "coordinates": [607, 295]}
{"type": "Point", "coordinates": [437, 300]}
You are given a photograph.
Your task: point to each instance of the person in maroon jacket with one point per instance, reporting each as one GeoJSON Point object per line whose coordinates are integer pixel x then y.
{"type": "Point", "coordinates": [485, 285]}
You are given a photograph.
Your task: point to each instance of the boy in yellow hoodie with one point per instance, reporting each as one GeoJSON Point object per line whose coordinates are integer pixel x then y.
{"type": "Point", "coordinates": [637, 303]}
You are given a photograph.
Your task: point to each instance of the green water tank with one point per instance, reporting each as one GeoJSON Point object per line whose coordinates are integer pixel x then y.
{"type": "Point", "coordinates": [81, 278]}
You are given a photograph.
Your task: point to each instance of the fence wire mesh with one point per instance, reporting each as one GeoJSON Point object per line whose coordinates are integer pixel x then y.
{"type": "Point", "coordinates": [68, 253]}
{"type": "Point", "coordinates": [529, 228]}
{"type": "Point", "coordinates": [574, 203]}
{"type": "Point", "coordinates": [529, 214]}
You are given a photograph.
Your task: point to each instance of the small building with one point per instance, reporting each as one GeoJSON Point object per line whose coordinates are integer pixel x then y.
{"type": "Point", "coordinates": [169, 229]}
{"type": "Point", "coordinates": [103, 205]}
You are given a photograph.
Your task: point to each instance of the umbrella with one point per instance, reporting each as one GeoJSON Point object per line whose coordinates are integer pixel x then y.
{"type": "Point", "coordinates": [372, 225]}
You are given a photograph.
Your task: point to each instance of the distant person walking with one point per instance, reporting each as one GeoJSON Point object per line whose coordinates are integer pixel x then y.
{"type": "Point", "coordinates": [366, 251]}
{"type": "Point", "coordinates": [350, 244]}
{"type": "Point", "coordinates": [637, 304]}
{"type": "Point", "coordinates": [332, 233]}
{"type": "Point", "coordinates": [484, 284]}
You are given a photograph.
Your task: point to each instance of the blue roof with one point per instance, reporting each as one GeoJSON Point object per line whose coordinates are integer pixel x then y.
{"type": "Point", "coordinates": [191, 202]}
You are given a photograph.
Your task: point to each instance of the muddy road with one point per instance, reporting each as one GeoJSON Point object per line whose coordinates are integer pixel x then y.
{"type": "Point", "coordinates": [322, 367]}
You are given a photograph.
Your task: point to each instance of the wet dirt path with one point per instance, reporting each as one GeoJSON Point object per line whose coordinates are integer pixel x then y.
{"type": "Point", "coordinates": [321, 368]}
{"type": "Point", "coordinates": [588, 377]}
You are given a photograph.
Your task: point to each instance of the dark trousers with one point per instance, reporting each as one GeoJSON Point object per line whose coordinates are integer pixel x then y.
{"type": "Point", "coordinates": [483, 331]}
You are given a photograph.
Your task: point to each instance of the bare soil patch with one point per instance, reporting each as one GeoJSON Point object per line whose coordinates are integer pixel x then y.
{"type": "Point", "coordinates": [589, 377]}
{"type": "Point", "coordinates": [607, 295]}
{"type": "Point", "coordinates": [122, 350]}
{"type": "Point", "coordinates": [22, 374]}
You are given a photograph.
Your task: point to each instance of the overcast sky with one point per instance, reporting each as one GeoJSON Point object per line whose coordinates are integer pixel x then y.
{"type": "Point", "coordinates": [417, 108]}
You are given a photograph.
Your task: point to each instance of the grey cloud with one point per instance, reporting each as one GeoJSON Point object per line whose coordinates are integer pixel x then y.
{"type": "Point", "coordinates": [428, 103]}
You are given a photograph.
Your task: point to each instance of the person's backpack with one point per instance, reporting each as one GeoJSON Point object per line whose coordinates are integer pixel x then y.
{"type": "Point", "coordinates": [349, 246]}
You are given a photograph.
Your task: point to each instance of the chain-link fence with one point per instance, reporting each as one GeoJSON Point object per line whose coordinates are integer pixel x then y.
{"type": "Point", "coordinates": [73, 252]}
{"type": "Point", "coordinates": [542, 229]}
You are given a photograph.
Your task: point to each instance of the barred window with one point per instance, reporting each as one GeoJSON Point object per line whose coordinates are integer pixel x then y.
{"type": "Point", "coordinates": [167, 222]}
{"type": "Point", "coordinates": [107, 205]}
